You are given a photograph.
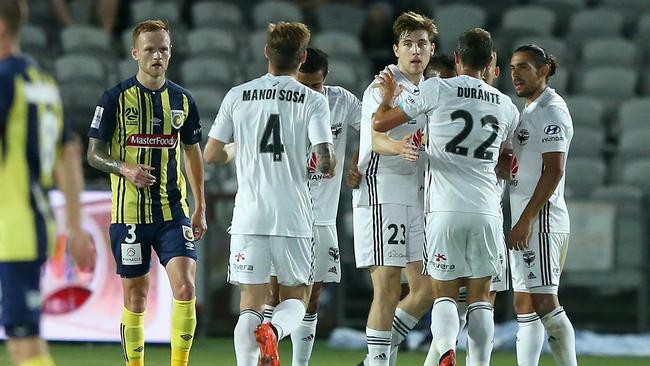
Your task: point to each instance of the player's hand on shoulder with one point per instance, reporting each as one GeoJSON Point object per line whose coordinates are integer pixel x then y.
{"type": "Point", "coordinates": [199, 223]}
{"type": "Point", "coordinates": [138, 174]}
{"type": "Point", "coordinates": [82, 249]}
{"type": "Point", "coordinates": [519, 235]}
{"type": "Point", "coordinates": [353, 178]}
{"type": "Point", "coordinates": [408, 150]}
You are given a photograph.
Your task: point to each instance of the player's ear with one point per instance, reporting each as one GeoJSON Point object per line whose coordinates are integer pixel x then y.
{"type": "Point", "coordinates": [433, 48]}
{"type": "Point", "coordinates": [266, 51]}
{"type": "Point", "coordinates": [395, 50]}
{"type": "Point", "coordinates": [543, 71]}
{"type": "Point", "coordinates": [497, 72]}
{"type": "Point", "coordinates": [303, 57]}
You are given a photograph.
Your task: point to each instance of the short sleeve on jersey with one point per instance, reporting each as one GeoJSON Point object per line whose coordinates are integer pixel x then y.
{"type": "Point", "coordinates": [556, 130]}
{"type": "Point", "coordinates": [425, 101]}
{"type": "Point", "coordinates": [105, 118]}
{"type": "Point", "coordinates": [223, 127]}
{"type": "Point", "coordinates": [319, 121]}
{"type": "Point", "coordinates": [191, 130]}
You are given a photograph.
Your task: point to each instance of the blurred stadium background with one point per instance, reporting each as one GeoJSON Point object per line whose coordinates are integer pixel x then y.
{"type": "Point", "coordinates": [603, 47]}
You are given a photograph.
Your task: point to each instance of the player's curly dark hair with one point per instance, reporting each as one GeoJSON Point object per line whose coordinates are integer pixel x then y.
{"type": "Point", "coordinates": [540, 57]}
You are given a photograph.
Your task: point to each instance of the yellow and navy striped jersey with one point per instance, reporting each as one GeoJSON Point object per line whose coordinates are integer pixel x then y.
{"type": "Point", "coordinates": [32, 132]}
{"type": "Point", "coordinates": [144, 126]}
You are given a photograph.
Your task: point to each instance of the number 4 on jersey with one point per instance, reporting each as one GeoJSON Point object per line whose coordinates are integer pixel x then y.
{"type": "Point", "coordinates": [276, 148]}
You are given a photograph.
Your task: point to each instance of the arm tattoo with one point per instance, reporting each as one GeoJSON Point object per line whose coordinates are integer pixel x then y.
{"type": "Point", "coordinates": [99, 158]}
{"type": "Point", "coordinates": [325, 157]}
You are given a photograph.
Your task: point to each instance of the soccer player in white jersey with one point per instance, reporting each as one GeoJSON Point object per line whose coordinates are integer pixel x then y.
{"type": "Point", "coordinates": [272, 120]}
{"type": "Point", "coordinates": [388, 216]}
{"type": "Point", "coordinates": [345, 111]}
{"type": "Point", "coordinates": [468, 122]}
{"type": "Point", "coordinates": [540, 232]}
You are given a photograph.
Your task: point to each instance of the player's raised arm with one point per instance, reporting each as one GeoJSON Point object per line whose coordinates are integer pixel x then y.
{"type": "Point", "coordinates": [388, 116]}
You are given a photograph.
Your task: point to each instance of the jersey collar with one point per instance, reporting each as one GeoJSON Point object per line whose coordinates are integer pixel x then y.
{"type": "Point", "coordinates": [404, 81]}
{"type": "Point", "coordinates": [160, 90]}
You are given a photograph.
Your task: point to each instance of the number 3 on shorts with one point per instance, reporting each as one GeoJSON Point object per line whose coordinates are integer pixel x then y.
{"type": "Point", "coordinates": [130, 231]}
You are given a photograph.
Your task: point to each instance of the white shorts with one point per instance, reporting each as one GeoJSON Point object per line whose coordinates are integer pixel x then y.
{"type": "Point", "coordinates": [501, 282]}
{"type": "Point", "coordinates": [388, 235]}
{"type": "Point", "coordinates": [327, 264]}
{"type": "Point", "coordinates": [251, 257]}
{"type": "Point", "coordinates": [462, 244]}
{"type": "Point", "coordinates": [538, 268]}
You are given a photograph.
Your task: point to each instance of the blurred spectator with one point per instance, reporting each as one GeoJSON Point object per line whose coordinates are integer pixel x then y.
{"type": "Point", "coordinates": [106, 12]}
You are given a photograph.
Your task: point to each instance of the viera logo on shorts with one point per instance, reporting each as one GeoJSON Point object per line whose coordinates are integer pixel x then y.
{"type": "Point", "coordinates": [152, 141]}
{"type": "Point", "coordinates": [131, 254]}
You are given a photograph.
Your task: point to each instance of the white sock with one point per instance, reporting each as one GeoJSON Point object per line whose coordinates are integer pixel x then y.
{"type": "Point", "coordinates": [480, 333]}
{"type": "Point", "coordinates": [268, 312]}
{"type": "Point", "coordinates": [246, 349]}
{"type": "Point", "coordinates": [302, 340]}
{"type": "Point", "coordinates": [378, 347]}
{"type": "Point", "coordinates": [403, 322]}
{"type": "Point", "coordinates": [561, 337]}
{"type": "Point", "coordinates": [287, 316]}
{"type": "Point", "coordinates": [444, 324]}
{"type": "Point", "coordinates": [461, 303]}
{"type": "Point", "coordinates": [530, 339]}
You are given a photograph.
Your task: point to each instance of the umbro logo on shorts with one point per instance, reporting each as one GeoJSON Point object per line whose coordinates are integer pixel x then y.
{"type": "Point", "coordinates": [189, 245]}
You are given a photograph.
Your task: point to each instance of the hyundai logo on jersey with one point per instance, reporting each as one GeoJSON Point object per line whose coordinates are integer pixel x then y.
{"type": "Point", "coordinates": [552, 129]}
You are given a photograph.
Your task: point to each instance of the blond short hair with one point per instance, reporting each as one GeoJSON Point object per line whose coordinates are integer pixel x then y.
{"type": "Point", "coordinates": [286, 44]}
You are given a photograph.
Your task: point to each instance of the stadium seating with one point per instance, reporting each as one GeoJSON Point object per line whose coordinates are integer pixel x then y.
{"type": "Point", "coordinates": [336, 43]}
{"type": "Point", "coordinates": [586, 142]}
{"type": "Point", "coordinates": [271, 11]}
{"type": "Point", "coordinates": [455, 19]}
{"type": "Point", "coordinates": [583, 175]}
{"type": "Point", "coordinates": [586, 111]}
{"type": "Point", "coordinates": [209, 72]}
{"type": "Point", "coordinates": [519, 18]}
{"type": "Point", "coordinates": [210, 42]}
{"type": "Point", "coordinates": [80, 69]}
{"type": "Point", "coordinates": [341, 17]}
{"type": "Point", "coordinates": [609, 82]}
{"type": "Point", "coordinates": [637, 172]}
{"type": "Point", "coordinates": [216, 14]}
{"type": "Point", "coordinates": [85, 39]}
{"type": "Point", "coordinates": [633, 115]}
{"type": "Point", "coordinates": [609, 52]}
{"type": "Point", "coordinates": [590, 24]}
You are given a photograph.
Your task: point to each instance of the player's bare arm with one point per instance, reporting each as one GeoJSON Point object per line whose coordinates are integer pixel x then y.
{"type": "Point", "coordinates": [326, 159]}
{"type": "Point", "coordinates": [384, 145]}
{"type": "Point", "coordinates": [99, 158]}
{"type": "Point", "coordinates": [548, 181]}
{"type": "Point", "coordinates": [353, 178]}
{"type": "Point", "coordinates": [69, 178]}
{"type": "Point", "coordinates": [503, 164]}
{"type": "Point", "coordinates": [218, 152]}
{"type": "Point", "coordinates": [194, 170]}
{"type": "Point", "coordinates": [388, 116]}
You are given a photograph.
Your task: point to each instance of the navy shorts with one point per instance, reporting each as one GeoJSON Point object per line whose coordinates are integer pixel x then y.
{"type": "Point", "coordinates": [132, 244]}
{"type": "Point", "coordinates": [20, 298]}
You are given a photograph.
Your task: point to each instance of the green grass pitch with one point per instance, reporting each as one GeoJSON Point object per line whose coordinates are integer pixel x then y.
{"type": "Point", "coordinates": [220, 352]}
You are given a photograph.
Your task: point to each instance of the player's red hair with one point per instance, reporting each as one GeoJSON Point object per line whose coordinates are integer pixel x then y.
{"type": "Point", "coordinates": [152, 25]}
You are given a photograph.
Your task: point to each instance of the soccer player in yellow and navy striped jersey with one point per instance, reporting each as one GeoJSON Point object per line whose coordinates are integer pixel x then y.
{"type": "Point", "coordinates": [136, 135]}
{"type": "Point", "coordinates": [35, 147]}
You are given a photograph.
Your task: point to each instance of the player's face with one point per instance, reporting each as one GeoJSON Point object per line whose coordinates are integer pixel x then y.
{"type": "Point", "coordinates": [314, 80]}
{"type": "Point", "coordinates": [526, 77]}
{"type": "Point", "coordinates": [413, 52]}
{"type": "Point", "coordinates": [152, 51]}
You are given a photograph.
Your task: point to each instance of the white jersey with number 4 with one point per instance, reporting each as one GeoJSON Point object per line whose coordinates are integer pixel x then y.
{"type": "Point", "coordinates": [345, 111]}
{"type": "Point", "coordinates": [545, 127]}
{"type": "Point", "coordinates": [389, 179]}
{"type": "Point", "coordinates": [273, 120]}
{"type": "Point", "coordinates": [468, 121]}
